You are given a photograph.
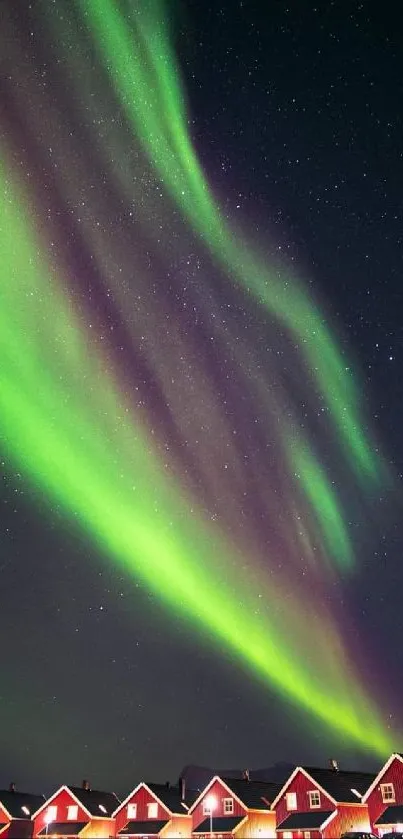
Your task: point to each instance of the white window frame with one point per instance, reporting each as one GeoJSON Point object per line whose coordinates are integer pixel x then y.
{"type": "Point", "coordinates": [307, 834]}
{"type": "Point", "coordinates": [291, 796]}
{"type": "Point", "coordinates": [388, 793]}
{"type": "Point", "coordinates": [287, 834]}
{"type": "Point", "coordinates": [72, 812]}
{"type": "Point", "coordinates": [311, 794]}
{"type": "Point", "coordinates": [51, 813]}
{"type": "Point", "coordinates": [152, 805]}
{"type": "Point", "coordinates": [132, 811]}
{"type": "Point", "coordinates": [206, 808]}
{"type": "Point", "coordinates": [228, 806]}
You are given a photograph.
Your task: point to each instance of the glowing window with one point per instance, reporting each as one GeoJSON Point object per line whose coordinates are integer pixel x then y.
{"type": "Point", "coordinates": [307, 834]}
{"type": "Point", "coordinates": [51, 814]}
{"type": "Point", "coordinates": [314, 798]}
{"type": "Point", "coordinates": [387, 792]}
{"type": "Point", "coordinates": [228, 806]}
{"type": "Point", "coordinates": [132, 811]}
{"type": "Point", "coordinates": [72, 813]}
{"type": "Point", "coordinates": [291, 800]}
{"type": "Point", "coordinates": [152, 810]}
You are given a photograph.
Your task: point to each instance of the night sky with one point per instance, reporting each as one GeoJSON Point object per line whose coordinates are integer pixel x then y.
{"type": "Point", "coordinates": [201, 520]}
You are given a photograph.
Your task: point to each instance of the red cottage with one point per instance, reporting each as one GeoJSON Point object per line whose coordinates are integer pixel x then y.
{"type": "Point", "coordinates": [316, 803]}
{"type": "Point", "coordinates": [77, 811]}
{"type": "Point", "coordinates": [155, 810]}
{"type": "Point", "coordinates": [230, 807]}
{"type": "Point", "coordinates": [16, 809]}
{"type": "Point", "coordinates": [384, 797]}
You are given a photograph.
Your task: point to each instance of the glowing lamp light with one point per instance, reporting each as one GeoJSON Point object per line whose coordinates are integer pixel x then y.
{"type": "Point", "coordinates": [211, 803]}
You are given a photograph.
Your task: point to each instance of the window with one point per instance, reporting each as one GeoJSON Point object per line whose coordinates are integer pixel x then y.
{"type": "Point", "coordinates": [72, 813]}
{"type": "Point", "coordinates": [152, 810]}
{"type": "Point", "coordinates": [132, 811]}
{"type": "Point", "coordinates": [314, 798]}
{"type": "Point", "coordinates": [307, 834]}
{"type": "Point", "coordinates": [291, 799]}
{"type": "Point", "coordinates": [388, 793]}
{"type": "Point", "coordinates": [228, 806]}
{"type": "Point", "coordinates": [206, 807]}
{"type": "Point", "coordinates": [287, 834]}
{"type": "Point", "coordinates": [51, 814]}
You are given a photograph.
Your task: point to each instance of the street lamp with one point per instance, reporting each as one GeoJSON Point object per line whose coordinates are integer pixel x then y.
{"type": "Point", "coordinates": [211, 802]}
{"type": "Point", "coordinates": [48, 820]}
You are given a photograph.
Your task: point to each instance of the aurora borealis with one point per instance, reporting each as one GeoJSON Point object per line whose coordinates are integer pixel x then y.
{"type": "Point", "coordinates": [166, 379]}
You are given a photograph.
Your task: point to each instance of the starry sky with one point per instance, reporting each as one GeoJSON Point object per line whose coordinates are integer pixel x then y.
{"type": "Point", "coordinates": [200, 392]}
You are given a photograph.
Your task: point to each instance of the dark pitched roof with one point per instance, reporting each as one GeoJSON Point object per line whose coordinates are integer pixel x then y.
{"type": "Point", "coordinates": [63, 829]}
{"type": "Point", "coordinates": [14, 801]}
{"type": "Point", "coordinates": [312, 820]}
{"type": "Point", "coordinates": [171, 797]}
{"type": "Point", "coordinates": [340, 783]}
{"type": "Point", "coordinates": [392, 815]}
{"type": "Point", "coordinates": [94, 799]}
{"type": "Point", "coordinates": [253, 793]}
{"type": "Point", "coordinates": [223, 824]}
{"type": "Point", "coordinates": [148, 828]}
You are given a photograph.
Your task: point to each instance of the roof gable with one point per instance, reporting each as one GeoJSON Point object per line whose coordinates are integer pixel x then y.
{"type": "Point", "coordinates": [53, 798]}
{"type": "Point", "coordinates": [395, 756]}
{"type": "Point", "coordinates": [216, 780]}
{"type": "Point", "coordinates": [152, 793]}
{"type": "Point", "coordinates": [297, 771]}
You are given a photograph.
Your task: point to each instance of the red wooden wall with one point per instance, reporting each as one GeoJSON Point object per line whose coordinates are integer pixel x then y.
{"type": "Point", "coordinates": [63, 800]}
{"type": "Point", "coordinates": [393, 775]}
{"type": "Point", "coordinates": [219, 792]}
{"type": "Point", "coordinates": [301, 785]}
{"type": "Point", "coordinates": [142, 797]}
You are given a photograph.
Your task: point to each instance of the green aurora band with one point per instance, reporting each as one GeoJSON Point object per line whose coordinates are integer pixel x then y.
{"type": "Point", "coordinates": [70, 428]}
{"type": "Point", "coordinates": [89, 457]}
{"type": "Point", "coordinates": [139, 56]}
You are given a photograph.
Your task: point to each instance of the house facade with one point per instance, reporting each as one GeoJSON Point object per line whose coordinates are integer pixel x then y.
{"type": "Point", "coordinates": [76, 812]}
{"type": "Point", "coordinates": [235, 808]}
{"type": "Point", "coordinates": [317, 803]}
{"type": "Point", "coordinates": [384, 797]}
{"type": "Point", "coordinates": [154, 810]}
{"type": "Point", "coordinates": [16, 810]}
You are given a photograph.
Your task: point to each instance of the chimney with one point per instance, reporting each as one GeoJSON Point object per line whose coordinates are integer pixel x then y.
{"type": "Point", "coordinates": [12, 787]}
{"type": "Point", "coordinates": [334, 764]}
{"type": "Point", "coordinates": [86, 786]}
{"type": "Point", "coordinates": [245, 774]}
{"type": "Point", "coordinates": [182, 785]}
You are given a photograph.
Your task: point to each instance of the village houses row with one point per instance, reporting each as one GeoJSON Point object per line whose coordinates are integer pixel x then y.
{"type": "Point", "coordinates": [312, 803]}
